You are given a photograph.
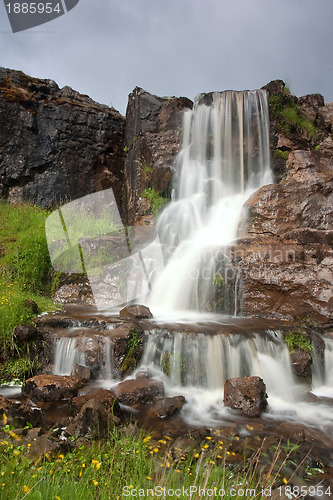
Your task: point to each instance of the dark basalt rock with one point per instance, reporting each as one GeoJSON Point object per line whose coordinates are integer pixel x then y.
{"type": "Point", "coordinates": [25, 333]}
{"type": "Point", "coordinates": [246, 394]}
{"type": "Point", "coordinates": [18, 414]}
{"type": "Point", "coordinates": [152, 141]}
{"type": "Point", "coordinates": [56, 144]}
{"type": "Point", "coordinates": [103, 396]}
{"type": "Point", "coordinates": [138, 391]}
{"type": "Point", "coordinates": [51, 387]}
{"type": "Point", "coordinates": [301, 362]}
{"type": "Point", "coordinates": [167, 407]}
{"type": "Point", "coordinates": [92, 419]}
{"type": "Point", "coordinates": [135, 311]}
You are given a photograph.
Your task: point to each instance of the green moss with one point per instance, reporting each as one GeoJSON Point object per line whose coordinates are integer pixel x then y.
{"type": "Point", "coordinates": [165, 363]}
{"type": "Point", "coordinates": [298, 338]}
{"type": "Point", "coordinates": [134, 345]}
{"type": "Point", "coordinates": [283, 155]}
{"type": "Point", "coordinates": [287, 114]}
{"type": "Point", "coordinates": [157, 201]}
{"type": "Point", "coordinates": [129, 363]}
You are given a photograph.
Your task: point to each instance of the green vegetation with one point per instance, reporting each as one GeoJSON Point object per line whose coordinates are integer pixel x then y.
{"type": "Point", "coordinates": [146, 169]}
{"type": "Point", "coordinates": [157, 201]}
{"type": "Point", "coordinates": [134, 345]}
{"type": "Point", "coordinates": [125, 463]}
{"type": "Point", "coordinates": [287, 113]}
{"type": "Point", "coordinates": [283, 155]}
{"type": "Point", "coordinates": [298, 338]}
{"type": "Point", "coordinates": [24, 276]}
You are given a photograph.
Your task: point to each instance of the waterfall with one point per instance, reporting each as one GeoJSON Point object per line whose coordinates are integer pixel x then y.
{"type": "Point", "coordinates": [197, 366]}
{"type": "Point", "coordinates": [84, 348]}
{"type": "Point", "coordinates": [224, 158]}
{"type": "Point", "coordinates": [322, 372]}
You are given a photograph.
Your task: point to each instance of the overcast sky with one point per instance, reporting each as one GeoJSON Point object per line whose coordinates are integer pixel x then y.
{"type": "Point", "coordinates": [104, 48]}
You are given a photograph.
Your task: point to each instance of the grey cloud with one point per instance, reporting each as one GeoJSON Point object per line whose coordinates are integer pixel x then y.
{"type": "Point", "coordinates": [104, 48]}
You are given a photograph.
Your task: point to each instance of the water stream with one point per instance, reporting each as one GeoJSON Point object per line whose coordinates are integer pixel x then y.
{"type": "Point", "coordinates": [225, 157]}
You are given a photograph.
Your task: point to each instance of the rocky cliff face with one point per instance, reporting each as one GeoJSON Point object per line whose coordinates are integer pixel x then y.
{"type": "Point", "coordinates": [152, 141]}
{"type": "Point", "coordinates": [286, 254]}
{"type": "Point", "coordinates": [56, 144]}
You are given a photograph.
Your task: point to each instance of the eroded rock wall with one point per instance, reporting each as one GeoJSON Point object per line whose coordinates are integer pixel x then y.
{"type": "Point", "coordinates": [56, 144]}
{"type": "Point", "coordinates": [152, 141]}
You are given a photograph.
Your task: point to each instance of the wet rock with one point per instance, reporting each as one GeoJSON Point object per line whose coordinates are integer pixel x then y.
{"type": "Point", "coordinates": [18, 414]}
{"type": "Point", "coordinates": [78, 292]}
{"type": "Point", "coordinates": [25, 333]}
{"type": "Point", "coordinates": [104, 396]}
{"type": "Point", "coordinates": [51, 387]}
{"type": "Point", "coordinates": [128, 345]}
{"type": "Point", "coordinates": [301, 362]}
{"type": "Point", "coordinates": [45, 444]}
{"type": "Point", "coordinates": [135, 312]}
{"type": "Point", "coordinates": [167, 407]}
{"type": "Point", "coordinates": [246, 394]}
{"type": "Point", "coordinates": [31, 306]}
{"type": "Point", "coordinates": [136, 391]}
{"type": "Point", "coordinates": [93, 419]}
{"type": "Point", "coordinates": [143, 374]}
{"type": "Point", "coordinates": [182, 446]}
{"type": "Point", "coordinates": [82, 373]}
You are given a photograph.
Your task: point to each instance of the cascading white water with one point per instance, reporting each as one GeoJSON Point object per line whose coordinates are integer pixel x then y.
{"type": "Point", "coordinates": [322, 375]}
{"type": "Point", "coordinates": [207, 361]}
{"type": "Point", "coordinates": [93, 351]}
{"type": "Point", "coordinates": [224, 158]}
{"type": "Point", "coordinates": [197, 365]}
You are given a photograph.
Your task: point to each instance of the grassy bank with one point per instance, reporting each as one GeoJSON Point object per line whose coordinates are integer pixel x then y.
{"type": "Point", "coordinates": [24, 276]}
{"type": "Point", "coordinates": [135, 466]}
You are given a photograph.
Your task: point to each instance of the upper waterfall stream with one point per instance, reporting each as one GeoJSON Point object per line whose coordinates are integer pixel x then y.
{"type": "Point", "coordinates": [225, 157]}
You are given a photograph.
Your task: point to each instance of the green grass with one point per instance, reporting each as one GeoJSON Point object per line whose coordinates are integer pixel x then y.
{"type": "Point", "coordinates": [288, 115]}
{"type": "Point", "coordinates": [157, 201]}
{"type": "Point", "coordinates": [25, 270]}
{"type": "Point", "coordinates": [299, 339]}
{"type": "Point", "coordinates": [125, 463]}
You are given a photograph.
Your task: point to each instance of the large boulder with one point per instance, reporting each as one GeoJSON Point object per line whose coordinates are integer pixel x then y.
{"type": "Point", "coordinates": [167, 407]}
{"type": "Point", "coordinates": [18, 414]}
{"type": "Point", "coordinates": [246, 394]}
{"type": "Point", "coordinates": [135, 311]}
{"type": "Point", "coordinates": [56, 144]}
{"type": "Point", "coordinates": [51, 387]}
{"type": "Point", "coordinates": [138, 391]}
{"type": "Point", "coordinates": [103, 396]}
{"type": "Point", "coordinates": [93, 419]}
